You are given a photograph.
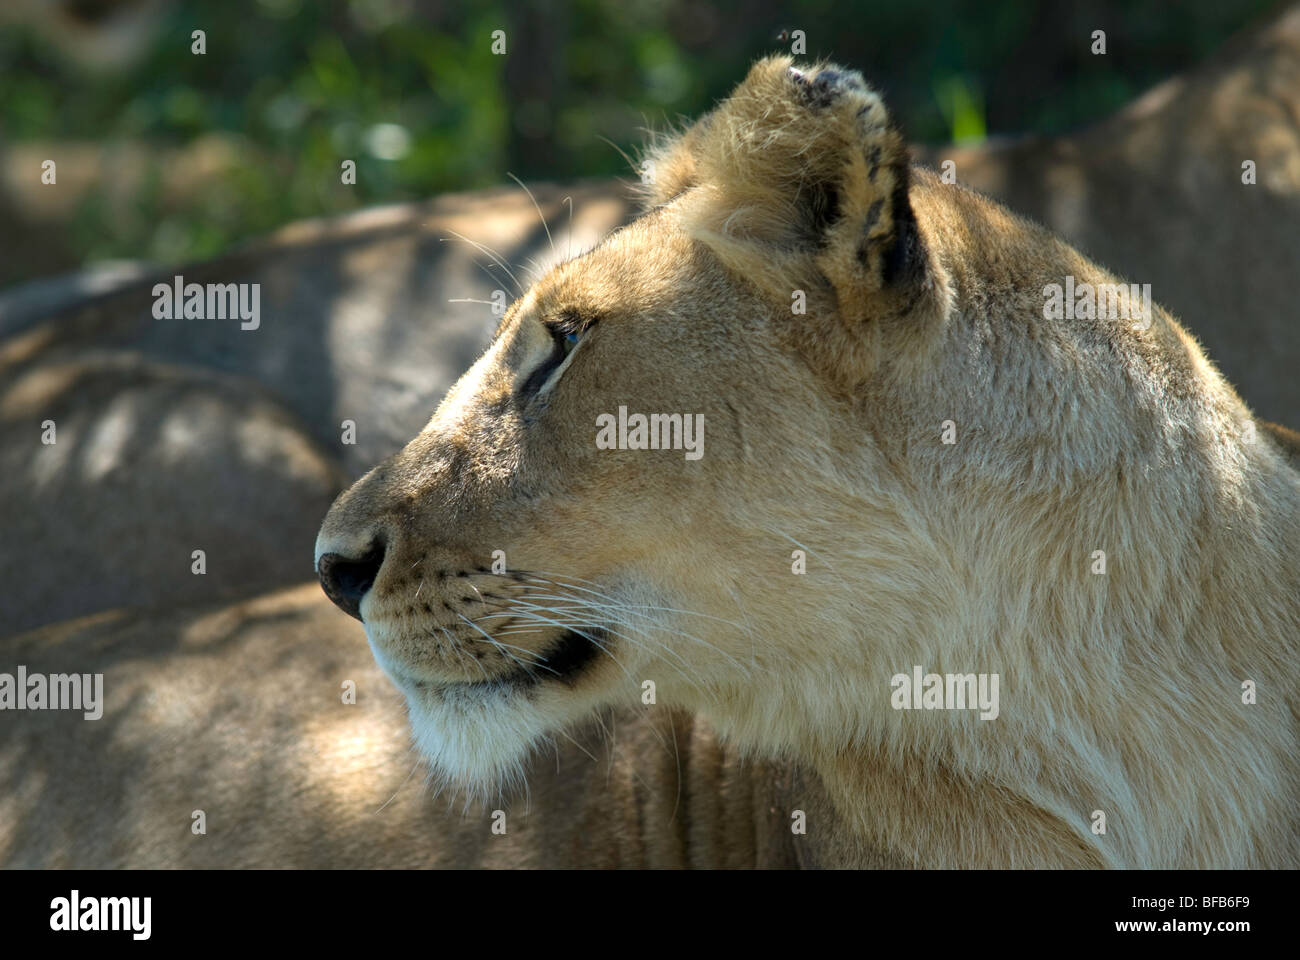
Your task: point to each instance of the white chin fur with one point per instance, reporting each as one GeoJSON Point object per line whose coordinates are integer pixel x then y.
{"type": "Point", "coordinates": [476, 741]}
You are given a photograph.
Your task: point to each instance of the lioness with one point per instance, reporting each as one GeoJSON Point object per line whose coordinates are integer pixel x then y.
{"type": "Point", "coordinates": [904, 465]}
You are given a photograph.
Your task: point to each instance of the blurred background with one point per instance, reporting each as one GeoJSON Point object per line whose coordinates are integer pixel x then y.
{"type": "Point", "coordinates": [169, 157]}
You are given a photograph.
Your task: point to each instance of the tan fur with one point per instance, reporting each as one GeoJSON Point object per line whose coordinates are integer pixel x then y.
{"type": "Point", "coordinates": [1121, 692]}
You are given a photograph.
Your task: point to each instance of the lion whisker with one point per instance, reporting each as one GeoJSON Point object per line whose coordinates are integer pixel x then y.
{"type": "Point", "coordinates": [502, 647]}
{"type": "Point", "coordinates": [491, 254]}
{"type": "Point", "coordinates": [542, 216]}
{"type": "Point", "coordinates": [638, 610]}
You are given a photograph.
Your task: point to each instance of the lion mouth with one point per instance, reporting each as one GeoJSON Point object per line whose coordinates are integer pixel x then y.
{"type": "Point", "coordinates": [573, 652]}
{"type": "Point", "coordinates": [564, 660]}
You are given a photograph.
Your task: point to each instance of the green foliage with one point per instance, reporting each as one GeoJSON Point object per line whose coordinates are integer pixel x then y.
{"type": "Point", "coordinates": [411, 91]}
{"type": "Point", "coordinates": [963, 107]}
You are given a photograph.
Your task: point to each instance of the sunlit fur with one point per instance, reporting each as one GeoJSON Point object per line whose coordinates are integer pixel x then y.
{"type": "Point", "coordinates": [1120, 692]}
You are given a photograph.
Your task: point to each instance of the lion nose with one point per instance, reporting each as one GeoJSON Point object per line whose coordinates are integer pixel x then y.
{"type": "Point", "coordinates": [346, 580]}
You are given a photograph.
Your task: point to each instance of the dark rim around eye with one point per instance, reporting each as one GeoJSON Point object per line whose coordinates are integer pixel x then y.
{"type": "Point", "coordinates": [563, 346]}
{"type": "Point", "coordinates": [567, 331]}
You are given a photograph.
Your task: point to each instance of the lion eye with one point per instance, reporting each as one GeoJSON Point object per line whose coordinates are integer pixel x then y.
{"type": "Point", "coordinates": [566, 332]}
{"type": "Point", "coordinates": [566, 336]}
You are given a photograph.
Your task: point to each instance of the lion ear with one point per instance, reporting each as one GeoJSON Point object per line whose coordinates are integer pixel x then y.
{"type": "Point", "coordinates": [667, 164]}
{"type": "Point", "coordinates": [807, 160]}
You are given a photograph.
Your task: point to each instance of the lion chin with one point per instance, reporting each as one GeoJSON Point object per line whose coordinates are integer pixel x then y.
{"type": "Point", "coordinates": [476, 735]}
{"type": "Point", "coordinates": [476, 742]}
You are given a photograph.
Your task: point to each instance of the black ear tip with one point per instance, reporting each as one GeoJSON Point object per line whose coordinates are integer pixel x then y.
{"type": "Point", "coordinates": [828, 86]}
{"type": "Point", "coordinates": [840, 79]}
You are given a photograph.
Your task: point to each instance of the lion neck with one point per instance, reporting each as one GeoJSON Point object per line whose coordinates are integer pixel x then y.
{"type": "Point", "coordinates": [1110, 675]}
